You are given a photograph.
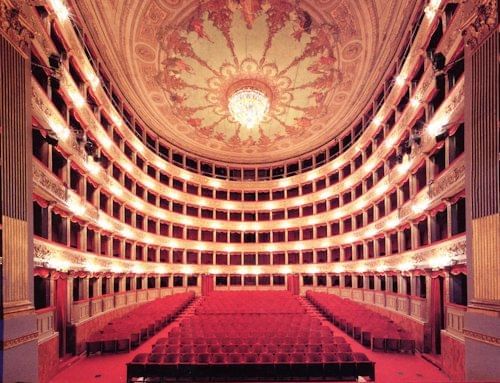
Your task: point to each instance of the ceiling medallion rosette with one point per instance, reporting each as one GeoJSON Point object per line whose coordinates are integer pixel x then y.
{"type": "Point", "coordinates": [271, 49]}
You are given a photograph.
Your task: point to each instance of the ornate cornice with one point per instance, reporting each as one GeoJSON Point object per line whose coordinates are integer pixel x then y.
{"type": "Point", "coordinates": [46, 183]}
{"type": "Point", "coordinates": [53, 256]}
{"type": "Point", "coordinates": [10, 343]}
{"type": "Point", "coordinates": [489, 339]}
{"type": "Point", "coordinates": [14, 28]}
{"type": "Point", "coordinates": [444, 183]}
{"type": "Point", "coordinates": [443, 187]}
{"type": "Point", "coordinates": [482, 22]}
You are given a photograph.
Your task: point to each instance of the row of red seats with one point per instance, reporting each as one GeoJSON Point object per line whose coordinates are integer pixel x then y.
{"type": "Point", "coordinates": [136, 326]}
{"type": "Point", "coordinates": [279, 366]}
{"type": "Point", "coordinates": [371, 329]}
{"type": "Point", "coordinates": [159, 348]}
{"type": "Point", "coordinates": [250, 302]}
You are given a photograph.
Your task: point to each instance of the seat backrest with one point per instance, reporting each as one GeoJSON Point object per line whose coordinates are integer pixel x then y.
{"type": "Point", "coordinates": [202, 358]}
{"type": "Point", "coordinates": [282, 358]}
{"type": "Point", "coordinates": [171, 358]}
{"type": "Point", "coordinates": [186, 358]}
{"type": "Point", "coordinates": [266, 357]}
{"type": "Point", "coordinates": [234, 358]}
{"type": "Point", "coordinates": [329, 357]}
{"type": "Point", "coordinates": [251, 358]}
{"type": "Point", "coordinates": [218, 358]}
{"type": "Point", "coordinates": [314, 357]}
{"type": "Point", "coordinates": [140, 358]}
{"type": "Point", "coordinates": [298, 358]}
{"type": "Point", "coordinates": [155, 358]}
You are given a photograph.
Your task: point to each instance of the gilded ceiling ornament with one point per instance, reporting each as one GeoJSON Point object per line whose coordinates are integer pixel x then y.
{"type": "Point", "coordinates": [228, 47]}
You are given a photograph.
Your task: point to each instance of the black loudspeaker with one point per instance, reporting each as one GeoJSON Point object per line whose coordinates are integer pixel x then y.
{"type": "Point", "coordinates": [55, 61]}
{"type": "Point", "coordinates": [438, 61]}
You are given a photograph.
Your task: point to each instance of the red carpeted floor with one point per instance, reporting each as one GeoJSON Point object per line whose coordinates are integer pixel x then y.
{"type": "Point", "coordinates": [390, 368]}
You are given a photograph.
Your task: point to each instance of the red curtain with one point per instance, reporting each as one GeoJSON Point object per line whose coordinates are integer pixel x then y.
{"type": "Point", "coordinates": [436, 313]}
{"type": "Point", "coordinates": [61, 312]}
{"type": "Point", "coordinates": [207, 284]}
{"type": "Point", "coordinates": [293, 284]}
{"type": "Point", "coordinates": [459, 269]}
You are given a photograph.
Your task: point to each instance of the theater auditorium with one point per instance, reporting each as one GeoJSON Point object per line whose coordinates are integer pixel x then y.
{"type": "Point", "coordinates": [249, 190]}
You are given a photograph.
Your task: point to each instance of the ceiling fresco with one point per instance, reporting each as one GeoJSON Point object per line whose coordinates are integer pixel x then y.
{"type": "Point", "coordinates": [178, 62]}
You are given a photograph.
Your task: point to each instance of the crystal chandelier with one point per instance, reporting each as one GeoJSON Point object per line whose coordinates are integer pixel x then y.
{"type": "Point", "coordinates": [248, 106]}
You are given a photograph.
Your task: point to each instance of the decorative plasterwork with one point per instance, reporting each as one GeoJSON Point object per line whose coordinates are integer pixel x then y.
{"type": "Point", "coordinates": [177, 63]}
{"type": "Point", "coordinates": [14, 26]}
{"type": "Point", "coordinates": [432, 257]}
{"type": "Point", "coordinates": [46, 183]}
{"type": "Point", "coordinates": [482, 22]}
{"type": "Point", "coordinates": [444, 183]}
{"type": "Point", "coordinates": [45, 112]}
{"type": "Point", "coordinates": [10, 343]}
{"type": "Point", "coordinates": [447, 184]}
{"type": "Point", "coordinates": [489, 339]}
{"type": "Point", "coordinates": [450, 41]}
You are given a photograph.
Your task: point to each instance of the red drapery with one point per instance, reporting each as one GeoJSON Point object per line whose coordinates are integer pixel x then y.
{"type": "Point", "coordinates": [459, 269]}
{"type": "Point", "coordinates": [436, 314]}
{"type": "Point", "coordinates": [207, 284]}
{"type": "Point", "coordinates": [293, 284]}
{"type": "Point", "coordinates": [61, 311]}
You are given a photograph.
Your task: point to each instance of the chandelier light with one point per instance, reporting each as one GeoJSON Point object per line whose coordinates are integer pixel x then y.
{"type": "Point", "coordinates": [249, 107]}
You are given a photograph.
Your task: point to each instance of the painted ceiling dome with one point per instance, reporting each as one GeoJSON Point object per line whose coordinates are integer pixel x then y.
{"type": "Point", "coordinates": [315, 64]}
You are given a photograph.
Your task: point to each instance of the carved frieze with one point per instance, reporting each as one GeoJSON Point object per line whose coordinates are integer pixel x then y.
{"type": "Point", "coordinates": [481, 24]}
{"type": "Point", "coordinates": [10, 343]}
{"type": "Point", "coordinates": [41, 253]}
{"type": "Point", "coordinates": [444, 183]}
{"type": "Point", "coordinates": [41, 179]}
{"type": "Point", "coordinates": [11, 25]}
{"type": "Point", "coordinates": [39, 102]}
{"type": "Point", "coordinates": [455, 101]}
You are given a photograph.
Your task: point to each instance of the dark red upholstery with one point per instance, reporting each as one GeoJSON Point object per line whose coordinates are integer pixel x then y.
{"type": "Point", "coordinates": [138, 325]}
{"type": "Point", "coordinates": [366, 326]}
{"type": "Point", "coordinates": [252, 335]}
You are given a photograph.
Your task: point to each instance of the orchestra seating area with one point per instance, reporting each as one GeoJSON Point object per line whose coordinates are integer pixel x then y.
{"type": "Point", "coordinates": [130, 330]}
{"type": "Point", "coordinates": [366, 326]}
{"type": "Point", "coordinates": [250, 335]}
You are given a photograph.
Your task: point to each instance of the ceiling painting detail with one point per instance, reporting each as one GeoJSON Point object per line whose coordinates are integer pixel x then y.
{"type": "Point", "coordinates": [178, 62]}
{"type": "Point", "coordinates": [272, 46]}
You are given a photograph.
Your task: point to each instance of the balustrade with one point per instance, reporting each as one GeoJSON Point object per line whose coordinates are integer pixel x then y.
{"type": "Point", "coordinates": [80, 310]}
{"type": "Point", "coordinates": [108, 303]}
{"type": "Point", "coordinates": [418, 308]}
{"type": "Point", "coordinates": [357, 294]}
{"type": "Point", "coordinates": [455, 319]}
{"type": "Point", "coordinates": [131, 297]}
{"type": "Point", "coordinates": [45, 322]}
{"type": "Point", "coordinates": [95, 306]}
{"type": "Point", "coordinates": [403, 304]}
{"type": "Point", "coordinates": [380, 298]}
